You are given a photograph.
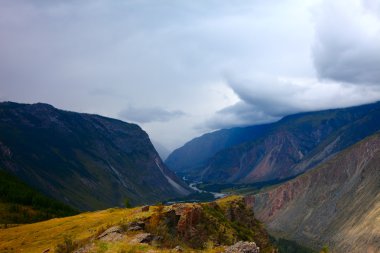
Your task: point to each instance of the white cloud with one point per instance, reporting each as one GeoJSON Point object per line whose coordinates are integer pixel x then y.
{"type": "Point", "coordinates": [99, 56]}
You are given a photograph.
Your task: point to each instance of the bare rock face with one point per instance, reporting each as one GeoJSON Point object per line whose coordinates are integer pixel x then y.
{"type": "Point", "coordinates": [243, 247]}
{"type": "Point", "coordinates": [336, 204]}
{"type": "Point", "coordinates": [189, 218]}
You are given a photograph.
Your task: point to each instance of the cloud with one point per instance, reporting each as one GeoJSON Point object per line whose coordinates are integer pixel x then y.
{"type": "Point", "coordinates": [264, 100]}
{"type": "Point", "coordinates": [97, 56]}
{"type": "Point", "coordinates": [146, 115]}
{"type": "Point", "coordinates": [347, 45]}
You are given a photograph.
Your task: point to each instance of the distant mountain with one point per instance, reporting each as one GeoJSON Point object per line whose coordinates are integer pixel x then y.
{"type": "Point", "coordinates": [161, 149]}
{"type": "Point", "coordinates": [278, 150]}
{"type": "Point", "coordinates": [19, 203]}
{"type": "Point", "coordinates": [336, 204]}
{"type": "Point", "coordinates": [86, 161]}
{"type": "Point", "coordinates": [197, 152]}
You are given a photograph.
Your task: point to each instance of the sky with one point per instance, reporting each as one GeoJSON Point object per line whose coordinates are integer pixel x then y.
{"type": "Point", "coordinates": [183, 68]}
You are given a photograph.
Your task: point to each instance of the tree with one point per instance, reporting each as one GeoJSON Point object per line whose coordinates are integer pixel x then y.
{"type": "Point", "coordinates": [127, 203]}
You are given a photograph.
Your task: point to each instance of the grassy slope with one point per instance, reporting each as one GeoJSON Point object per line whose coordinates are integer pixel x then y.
{"type": "Point", "coordinates": [82, 228]}
{"type": "Point", "coordinates": [19, 203]}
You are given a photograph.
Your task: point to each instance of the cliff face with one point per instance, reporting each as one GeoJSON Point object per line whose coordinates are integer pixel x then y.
{"type": "Point", "coordinates": [87, 161]}
{"type": "Point", "coordinates": [337, 203]}
{"type": "Point", "coordinates": [288, 147]}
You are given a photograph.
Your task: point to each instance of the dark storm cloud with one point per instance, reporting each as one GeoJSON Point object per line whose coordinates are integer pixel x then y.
{"type": "Point", "coordinates": [347, 46]}
{"type": "Point", "coordinates": [145, 115]}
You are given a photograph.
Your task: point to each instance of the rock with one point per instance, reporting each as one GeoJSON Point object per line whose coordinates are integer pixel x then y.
{"type": "Point", "coordinates": [143, 238]}
{"type": "Point", "coordinates": [112, 234]}
{"type": "Point", "coordinates": [190, 217]}
{"type": "Point", "coordinates": [178, 249]}
{"type": "Point", "coordinates": [147, 238]}
{"type": "Point", "coordinates": [135, 226]}
{"type": "Point", "coordinates": [243, 247]}
{"type": "Point", "coordinates": [145, 209]}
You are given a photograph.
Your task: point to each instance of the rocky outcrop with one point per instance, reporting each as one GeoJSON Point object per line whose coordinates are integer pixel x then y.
{"type": "Point", "coordinates": [223, 222]}
{"type": "Point", "coordinates": [86, 161]}
{"type": "Point", "coordinates": [336, 204]}
{"type": "Point", "coordinates": [243, 247]}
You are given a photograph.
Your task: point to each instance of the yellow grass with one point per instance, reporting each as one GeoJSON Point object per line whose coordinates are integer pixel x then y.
{"type": "Point", "coordinates": [47, 234]}
{"type": "Point", "coordinates": [82, 228]}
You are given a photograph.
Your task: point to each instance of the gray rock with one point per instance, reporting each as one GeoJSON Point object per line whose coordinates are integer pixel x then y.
{"type": "Point", "coordinates": [112, 234]}
{"type": "Point", "coordinates": [135, 226]}
{"type": "Point", "coordinates": [243, 247]}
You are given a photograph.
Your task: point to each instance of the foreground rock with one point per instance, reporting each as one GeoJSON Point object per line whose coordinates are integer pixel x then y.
{"type": "Point", "coordinates": [243, 247]}
{"type": "Point", "coordinates": [112, 234]}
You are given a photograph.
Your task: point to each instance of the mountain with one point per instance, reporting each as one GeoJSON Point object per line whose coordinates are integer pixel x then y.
{"type": "Point", "coordinates": [86, 161]}
{"type": "Point", "coordinates": [285, 148]}
{"type": "Point", "coordinates": [196, 227]}
{"type": "Point", "coordinates": [20, 203]}
{"type": "Point", "coordinates": [161, 149]}
{"type": "Point", "coordinates": [335, 204]}
{"type": "Point", "coordinates": [196, 153]}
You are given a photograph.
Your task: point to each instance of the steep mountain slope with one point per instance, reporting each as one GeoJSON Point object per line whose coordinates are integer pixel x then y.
{"type": "Point", "coordinates": [337, 203]}
{"type": "Point", "coordinates": [292, 145]}
{"type": "Point", "coordinates": [21, 204]}
{"type": "Point", "coordinates": [86, 161]}
{"type": "Point", "coordinates": [196, 153]}
{"type": "Point", "coordinates": [205, 227]}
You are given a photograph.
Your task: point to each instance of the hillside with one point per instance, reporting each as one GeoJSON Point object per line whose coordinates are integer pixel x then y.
{"type": "Point", "coordinates": [336, 204]}
{"type": "Point", "coordinates": [196, 153]}
{"type": "Point", "coordinates": [21, 204]}
{"type": "Point", "coordinates": [206, 227]}
{"type": "Point", "coordinates": [286, 148]}
{"type": "Point", "coordinates": [86, 161]}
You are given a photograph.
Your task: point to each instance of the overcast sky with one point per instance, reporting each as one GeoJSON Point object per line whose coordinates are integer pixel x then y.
{"type": "Point", "coordinates": [183, 68]}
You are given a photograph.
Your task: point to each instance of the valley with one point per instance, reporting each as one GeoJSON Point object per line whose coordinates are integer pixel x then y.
{"type": "Point", "coordinates": [307, 182]}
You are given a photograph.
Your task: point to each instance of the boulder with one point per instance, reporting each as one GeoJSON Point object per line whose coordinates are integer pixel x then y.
{"type": "Point", "coordinates": [112, 234]}
{"type": "Point", "coordinates": [135, 226]}
{"type": "Point", "coordinates": [243, 247]}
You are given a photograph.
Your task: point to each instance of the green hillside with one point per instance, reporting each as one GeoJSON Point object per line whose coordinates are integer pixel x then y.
{"type": "Point", "coordinates": [20, 203]}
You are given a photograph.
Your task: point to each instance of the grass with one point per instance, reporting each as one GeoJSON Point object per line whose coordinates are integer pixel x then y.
{"type": "Point", "coordinates": [44, 235]}
{"type": "Point", "coordinates": [214, 228]}
{"type": "Point", "coordinates": [19, 203]}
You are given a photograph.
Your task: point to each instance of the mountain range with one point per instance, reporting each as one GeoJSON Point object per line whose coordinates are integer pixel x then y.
{"type": "Point", "coordinates": [85, 161]}
{"type": "Point", "coordinates": [319, 175]}
{"type": "Point", "coordinates": [335, 204]}
{"type": "Point", "coordinates": [274, 151]}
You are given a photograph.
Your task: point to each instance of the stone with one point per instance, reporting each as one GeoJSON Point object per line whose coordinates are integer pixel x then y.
{"type": "Point", "coordinates": [143, 238]}
{"type": "Point", "coordinates": [135, 226]}
{"type": "Point", "coordinates": [178, 249]}
{"type": "Point", "coordinates": [243, 247]}
{"type": "Point", "coordinates": [112, 234]}
{"type": "Point", "coordinates": [145, 209]}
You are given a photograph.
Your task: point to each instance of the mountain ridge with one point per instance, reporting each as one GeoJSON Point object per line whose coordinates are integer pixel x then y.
{"type": "Point", "coordinates": [289, 146]}
{"type": "Point", "coordinates": [70, 155]}
{"type": "Point", "coordinates": [337, 203]}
